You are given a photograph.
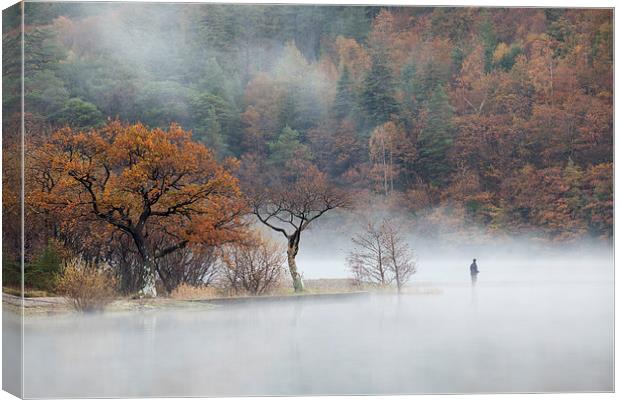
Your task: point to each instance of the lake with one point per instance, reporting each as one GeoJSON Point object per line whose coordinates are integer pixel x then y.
{"type": "Point", "coordinates": [526, 326]}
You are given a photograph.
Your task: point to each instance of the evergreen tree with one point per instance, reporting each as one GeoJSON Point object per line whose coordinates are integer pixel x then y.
{"type": "Point", "coordinates": [378, 92]}
{"type": "Point", "coordinates": [408, 84]}
{"type": "Point", "coordinates": [213, 134]}
{"type": "Point", "coordinates": [489, 40]}
{"type": "Point", "coordinates": [44, 271]}
{"type": "Point", "coordinates": [287, 115]}
{"type": "Point", "coordinates": [286, 147]}
{"type": "Point", "coordinates": [436, 138]}
{"type": "Point", "coordinates": [78, 113]}
{"type": "Point", "coordinates": [345, 95]}
{"type": "Point", "coordinates": [217, 121]}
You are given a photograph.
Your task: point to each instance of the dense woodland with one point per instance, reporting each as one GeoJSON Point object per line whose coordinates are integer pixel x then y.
{"type": "Point", "coordinates": [496, 118]}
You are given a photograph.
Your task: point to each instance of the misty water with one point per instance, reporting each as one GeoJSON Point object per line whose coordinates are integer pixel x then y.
{"type": "Point", "coordinates": [530, 324]}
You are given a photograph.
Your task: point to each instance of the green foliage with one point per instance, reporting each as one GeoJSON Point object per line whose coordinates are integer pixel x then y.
{"type": "Point", "coordinates": [42, 50]}
{"type": "Point", "coordinates": [216, 122]}
{"type": "Point", "coordinates": [344, 102]}
{"type": "Point", "coordinates": [78, 113]}
{"type": "Point", "coordinates": [11, 68]}
{"type": "Point", "coordinates": [409, 86]}
{"type": "Point", "coordinates": [427, 78]}
{"type": "Point", "coordinates": [11, 271]}
{"type": "Point", "coordinates": [436, 137]}
{"type": "Point", "coordinates": [163, 102]}
{"type": "Point", "coordinates": [44, 92]}
{"type": "Point", "coordinates": [211, 133]}
{"type": "Point", "coordinates": [458, 56]}
{"type": "Point", "coordinates": [301, 107]}
{"type": "Point", "coordinates": [378, 93]}
{"type": "Point", "coordinates": [215, 80]}
{"type": "Point", "coordinates": [287, 147]}
{"type": "Point", "coordinates": [11, 18]}
{"type": "Point", "coordinates": [115, 88]}
{"type": "Point", "coordinates": [43, 272]}
{"type": "Point", "coordinates": [489, 41]}
{"type": "Point", "coordinates": [508, 60]}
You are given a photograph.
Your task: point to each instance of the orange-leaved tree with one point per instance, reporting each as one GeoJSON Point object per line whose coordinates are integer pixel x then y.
{"type": "Point", "coordinates": [146, 183]}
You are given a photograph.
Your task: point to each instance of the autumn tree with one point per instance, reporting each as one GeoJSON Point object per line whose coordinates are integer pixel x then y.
{"type": "Point", "coordinates": [145, 183]}
{"type": "Point", "coordinates": [388, 146]}
{"type": "Point", "coordinates": [291, 206]}
{"type": "Point", "coordinates": [527, 87]}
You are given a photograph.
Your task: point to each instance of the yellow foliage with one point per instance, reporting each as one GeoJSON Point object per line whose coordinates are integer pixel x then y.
{"type": "Point", "coordinates": [89, 288]}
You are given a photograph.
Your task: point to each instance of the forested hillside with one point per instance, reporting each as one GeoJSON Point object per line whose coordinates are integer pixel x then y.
{"type": "Point", "coordinates": [502, 118]}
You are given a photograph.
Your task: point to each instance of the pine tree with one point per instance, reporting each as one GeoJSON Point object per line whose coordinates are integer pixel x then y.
{"type": "Point", "coordinates": [213, 134]}
{"type": "Point", "coordinates": [489, 40]}
{"type": "Point", "coordinates": [409, 108]}
{"type": "Point", "coordinates": [436, 138]}
{"type": "Point", "coordinates": [378, 93]}
{"type": "Point", "coordinates": [286, 147]}
{"type": "Point", "coordinates": [345, 95]}
{"type": "Point", "coordinates": [288, 113]}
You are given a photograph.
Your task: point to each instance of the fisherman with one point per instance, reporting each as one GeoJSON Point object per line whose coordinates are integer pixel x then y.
{"type": "Point", "coordinates": [473, 270]}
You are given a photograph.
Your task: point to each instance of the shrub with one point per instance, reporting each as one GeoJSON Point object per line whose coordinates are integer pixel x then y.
{"type": "Point", "coordinates": [43, 272]}
{"type": "Point", "coordinates": [89, 288]}
{"type": "Point", "coordinates": [188, 292]}
{"type": "Point", "coordinates": [253, 267]}
{"type": "Point", "coordinates": [11, 272]}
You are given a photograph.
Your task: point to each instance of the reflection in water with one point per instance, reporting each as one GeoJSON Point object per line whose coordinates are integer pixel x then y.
{"type": "Point", "coordinates": [521, 336]}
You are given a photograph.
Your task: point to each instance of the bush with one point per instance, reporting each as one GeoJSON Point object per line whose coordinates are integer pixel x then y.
{"type": "Point", "coordinates": [11, 272]}
{"type": "Point", "coordinates": [43, 272]}
{"type": "Point", "coordinates": [90, 288]}
{"type": "Point", "coordinates": [254, 267]}
{"type": "Point", "coordinates": [188, 292]}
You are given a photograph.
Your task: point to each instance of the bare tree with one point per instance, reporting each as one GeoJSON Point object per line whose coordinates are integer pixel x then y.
{"type": "Point", "coordinates": [399, 257]}
{"type": "Point", "coordinates": [368, 260]}
{"type": "Point", "coordinates": [290, 207]}
{"type": "Point", "coordinates": [194, 265]}
{"type": "Point", "coordinates": [254, 267]}
{"type": "Point", "coordinates": [381, 255]}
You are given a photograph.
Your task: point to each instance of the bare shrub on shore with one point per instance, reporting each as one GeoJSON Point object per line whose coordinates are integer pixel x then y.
{"type": "Point", "coordinates": [381, 255]}
{"type": "Point", "coordinates": [90, 287]}
{"type": "Point", "coordinates": [254, 266]}
{"type": "Point", "coordinates": [191, 266]}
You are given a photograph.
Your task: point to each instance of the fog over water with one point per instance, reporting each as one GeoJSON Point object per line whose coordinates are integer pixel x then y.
{"type": "Point", "coordinates": [532, 323]}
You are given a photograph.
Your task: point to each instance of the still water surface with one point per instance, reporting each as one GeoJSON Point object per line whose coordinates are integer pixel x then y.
{"type": "Point", "coordinates": [541, 328]}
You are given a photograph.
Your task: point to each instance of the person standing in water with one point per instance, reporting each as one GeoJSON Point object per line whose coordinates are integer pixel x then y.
{"type": "Point", "coordinates": [473, 270]}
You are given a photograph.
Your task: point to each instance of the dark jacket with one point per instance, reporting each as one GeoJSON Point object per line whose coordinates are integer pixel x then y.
{"type": "Point", "coordinates": [473, 268]}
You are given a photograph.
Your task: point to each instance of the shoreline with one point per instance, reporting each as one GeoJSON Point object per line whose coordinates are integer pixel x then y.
{"type": "Point", "coordinates": [59, 305]}
{"type": "Point", "coordinates": [50, 306]}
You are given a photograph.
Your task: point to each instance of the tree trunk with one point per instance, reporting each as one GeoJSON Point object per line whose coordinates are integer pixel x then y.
{"type": "Point", "coordinates": [148, 287]}
{"type": "Point", "coordinates": [291, 252]}
{"type": "Point", "coordinates": [398, 283]}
